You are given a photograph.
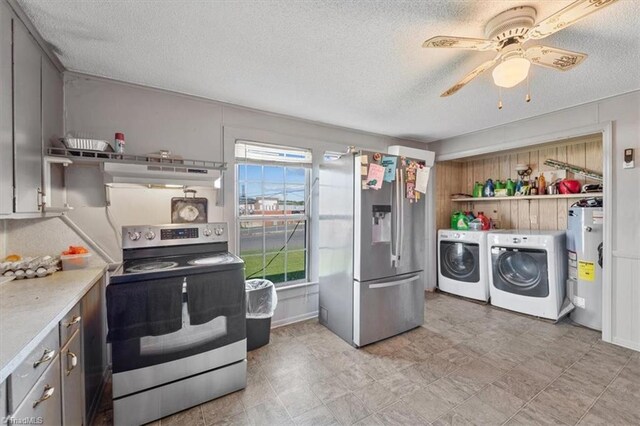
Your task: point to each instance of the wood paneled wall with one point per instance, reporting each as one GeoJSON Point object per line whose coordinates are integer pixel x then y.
{"type": "Point", "coordinates": [450, 177]}
{"type": "Point", "coordinates": [459, 176]}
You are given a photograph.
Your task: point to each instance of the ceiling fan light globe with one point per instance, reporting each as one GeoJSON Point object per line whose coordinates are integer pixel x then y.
{"type": "Point", "coordinates": [511, 72]}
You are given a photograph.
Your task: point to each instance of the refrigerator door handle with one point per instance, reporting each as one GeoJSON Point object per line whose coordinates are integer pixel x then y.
{"type": "Point", "coordinates": [395, 283]}
{"type": "Point", "coordinates": [396, 244]}
{"type": "Point", "coordinates": [400, 217]}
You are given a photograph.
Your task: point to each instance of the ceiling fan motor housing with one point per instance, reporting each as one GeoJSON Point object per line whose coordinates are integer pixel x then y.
{"type": "Point", "coordinates": [510, 24]}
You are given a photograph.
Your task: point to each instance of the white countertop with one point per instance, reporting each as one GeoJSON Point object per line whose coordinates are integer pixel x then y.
{"type": "Point", "coordinates": [31, 308]}
{"type": "Point", "coordinates": [5, 279]}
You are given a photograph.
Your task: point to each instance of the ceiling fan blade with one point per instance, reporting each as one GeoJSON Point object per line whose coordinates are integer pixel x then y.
{"type": "Point", "coordinates": [450, 42]}
{"type": "Point", "coordinates": [473, 74]}
{"type": "Point", "coordinates": [552, 57]}
{"type": "Point", "coordinates": [566, 17]}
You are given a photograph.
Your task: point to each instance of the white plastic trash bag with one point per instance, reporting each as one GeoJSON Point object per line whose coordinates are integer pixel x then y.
{"type": "Point", "coordinates": [262, 298]}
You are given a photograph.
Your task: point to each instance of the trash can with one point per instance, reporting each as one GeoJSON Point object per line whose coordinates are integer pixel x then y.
{"type": "Point", "coordinates": [261, 304]}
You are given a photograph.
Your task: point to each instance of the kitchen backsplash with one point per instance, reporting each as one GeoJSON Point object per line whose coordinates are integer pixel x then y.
{"type": "Point", "coordinates": [39, 237]}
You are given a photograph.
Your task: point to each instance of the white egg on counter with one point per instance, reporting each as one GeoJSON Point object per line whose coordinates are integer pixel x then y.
{"type": "Point", "coordinates": [30, 273]}
{"type": "Point", "coordinates": [20, 274]}
{"type": "Point", "coordinates": [41, 272]}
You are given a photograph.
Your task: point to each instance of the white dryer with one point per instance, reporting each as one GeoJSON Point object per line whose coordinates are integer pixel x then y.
{"type": "Point", "coordinates": [463, 263]}
{"type": "Point", "coordinates": [528, 271]}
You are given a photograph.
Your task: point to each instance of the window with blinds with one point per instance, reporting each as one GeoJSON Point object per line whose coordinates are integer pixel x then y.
{"type": "Point", "coordinates": [272, 211]}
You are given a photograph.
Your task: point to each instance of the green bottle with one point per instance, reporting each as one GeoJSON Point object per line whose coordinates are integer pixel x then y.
{"type": "Point", "coordinates": [511, 187]}
{"type": "Point", "coordinates": [454, 220]}
{"type": "Point", "coordinates": [463, 222]}
{"type": "Point", "coordinates": [477, 190]}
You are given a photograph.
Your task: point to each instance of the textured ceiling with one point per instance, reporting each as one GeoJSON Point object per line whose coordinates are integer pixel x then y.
{"type": "Point", "coordinates": [357, 64]}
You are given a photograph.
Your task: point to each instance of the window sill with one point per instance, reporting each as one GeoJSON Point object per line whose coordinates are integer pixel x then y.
{"type": "Point", "coordinates": [293, 286]}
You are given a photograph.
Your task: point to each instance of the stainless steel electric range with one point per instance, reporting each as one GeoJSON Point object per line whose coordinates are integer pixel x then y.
{"type": "Point", "coordinates": [176, 316]}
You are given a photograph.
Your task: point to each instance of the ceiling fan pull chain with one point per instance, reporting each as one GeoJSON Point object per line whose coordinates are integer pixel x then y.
{"type": "Point", "coordinates": [499, 97]}
{"type": "Point", "coordinates": [528, 97]}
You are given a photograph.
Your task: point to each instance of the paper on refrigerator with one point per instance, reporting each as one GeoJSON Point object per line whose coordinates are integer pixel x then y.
{"type": "Point", "coordinates": [375, 176]}
{"type": "Point", "coordinates": [389, 164]}
{"type": "Point", "coordinates": [422, 179]}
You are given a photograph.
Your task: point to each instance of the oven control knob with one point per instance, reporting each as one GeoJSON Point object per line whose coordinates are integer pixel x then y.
{"type": "Point", "coordinates": [134, 236]}
{"type": "Point", "coordinates": [150, 235]}
{"type": "Point", "coordinates": [206, 232]}
{"type": "Point", "coordinates": [219, 231]}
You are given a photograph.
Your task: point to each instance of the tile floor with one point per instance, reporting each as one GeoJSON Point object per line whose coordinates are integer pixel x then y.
{"type": "Point", "coordinates": [468, 364]}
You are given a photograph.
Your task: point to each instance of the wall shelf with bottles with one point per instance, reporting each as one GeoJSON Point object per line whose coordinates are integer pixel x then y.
{"type": "Point", "coordinates": [525, 197]}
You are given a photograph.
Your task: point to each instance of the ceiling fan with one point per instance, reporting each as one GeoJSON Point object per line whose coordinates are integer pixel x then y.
{"type": "Point", "coordinates": [508, 32]}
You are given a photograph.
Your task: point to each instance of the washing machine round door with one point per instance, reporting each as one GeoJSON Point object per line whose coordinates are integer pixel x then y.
{"type": "Point", "coordinates": [523, 272]}
{"type": "Point", "coordinates": [459, 261]}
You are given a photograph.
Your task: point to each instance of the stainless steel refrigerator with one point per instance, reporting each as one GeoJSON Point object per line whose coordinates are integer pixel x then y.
{"type": "Point", "coordinates": [372, 253]}
{"type": "Point", "coordinates": [585, 246]}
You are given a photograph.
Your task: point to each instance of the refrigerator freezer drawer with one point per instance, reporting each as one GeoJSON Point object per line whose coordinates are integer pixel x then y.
{"type": "Point", "coordinates": [384, 308]}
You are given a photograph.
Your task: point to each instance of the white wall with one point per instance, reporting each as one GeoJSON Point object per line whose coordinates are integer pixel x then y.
{"type": "Point", "coordinates": [129, 206]}
{"type": "Point", "coordinates": [3, 248]}
{"type": "Point", "coordinates": [194, 128]}
{"type": "Point", "coordinates": [624, 114]}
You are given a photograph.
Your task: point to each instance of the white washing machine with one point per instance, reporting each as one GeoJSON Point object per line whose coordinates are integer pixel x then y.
{"type": "Point", "coordinates": [463, 263]}
{"type": "Point", "coordinates": [528, 271]}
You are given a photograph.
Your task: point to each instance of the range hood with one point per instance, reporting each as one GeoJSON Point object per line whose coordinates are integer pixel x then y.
{"type": "Point", "coordinates": [170, 175]}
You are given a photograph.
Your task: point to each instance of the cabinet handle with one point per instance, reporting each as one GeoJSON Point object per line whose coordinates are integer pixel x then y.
{"type": "Point", "coordinates": [46, 357]}
{"type": "Point", "coordinates": [72, 361]}
{"type": "Point", "coordinates": [48, 393]}
{"type": "Point", "coordinates": [74, 320]}
{"type": "Point", "coordinates": [41, 199]}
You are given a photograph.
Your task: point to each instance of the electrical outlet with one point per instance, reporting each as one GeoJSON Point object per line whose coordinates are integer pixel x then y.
{"type": "Point", "coordinates": [628, 159]}
{"type": "Point", "coordinates": [534, 219]}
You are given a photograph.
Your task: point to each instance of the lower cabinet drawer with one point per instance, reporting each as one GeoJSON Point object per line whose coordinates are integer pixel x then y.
{"type": "Point", "coordinates": [70, 324]}
{"type": "Point", "coordinates": [72, 389]}
{"type": "Point", "coordinates": [26, 374]}
{"type": "Point", "coordinates": [43, 403]}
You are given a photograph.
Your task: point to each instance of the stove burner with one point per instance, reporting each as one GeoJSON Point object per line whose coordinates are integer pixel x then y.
{"type": "Point", "coordinates": [213, 260]}
{"type": "Point", "coordinates": [152, 266]}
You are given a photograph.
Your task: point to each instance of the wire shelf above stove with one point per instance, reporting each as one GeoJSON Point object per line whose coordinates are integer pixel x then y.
{"type": "Point", "coordinates": [81, 155]}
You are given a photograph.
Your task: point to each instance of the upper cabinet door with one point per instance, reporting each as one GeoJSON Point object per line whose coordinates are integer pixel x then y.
{"type": "Point", "coordinates": [52, 102]}
{"type": "Point", "coordinates": [6, 114]}
{"type": "Point", "coordinates": [27, 107]}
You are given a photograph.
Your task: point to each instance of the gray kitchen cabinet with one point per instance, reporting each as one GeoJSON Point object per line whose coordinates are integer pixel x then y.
{"type": "Point", "coordinates": [60, 381]}
{"type": "Point", "coordinates": [28, 372]}
{"type": "Point", "coordinates": [27, 107]}
{"type": "Point", "coordinates": [94, 339]}
{"type": "Point", "coordinates": [31, 114]}
{"type": "Point", "coordinates": [53, 181]}
{"type": "Point", "coordinates": [52, 103]}
{"type": "Point", "coordinates": [72, 389]}
{"type": "Point", "coordinates": [44, 399]}
{"type": "Point", "coordinates": [6, 112]}
{"type": "Point", "coordinates": [3, 400]}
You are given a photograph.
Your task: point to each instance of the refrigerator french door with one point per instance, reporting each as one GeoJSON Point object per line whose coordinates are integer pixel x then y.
{"type": "Point", "coordinates": [372, 249]}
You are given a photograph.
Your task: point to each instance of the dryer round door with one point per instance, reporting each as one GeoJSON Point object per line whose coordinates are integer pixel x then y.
{"type": "Point", "coordinates": [460, 261]}
{"type": "Point", "coordinates": [521, 271]}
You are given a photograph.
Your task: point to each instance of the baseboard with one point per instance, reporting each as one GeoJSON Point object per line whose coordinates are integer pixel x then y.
{"type": "Point", "coordinates": [294, 319]}
{"type": "Point", "coordinates": [626, 343]}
